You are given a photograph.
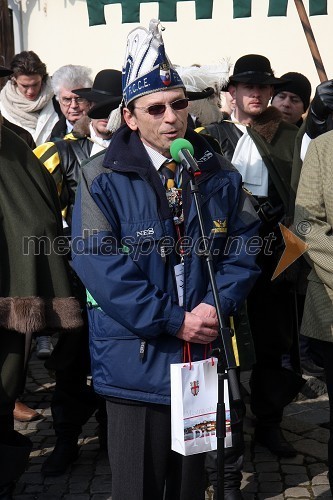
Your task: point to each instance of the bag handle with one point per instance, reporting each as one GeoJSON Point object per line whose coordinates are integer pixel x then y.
{"type": "Point", "coordinates": [206, 353]}
{"type": "Point", "coordinates": [187, 353]}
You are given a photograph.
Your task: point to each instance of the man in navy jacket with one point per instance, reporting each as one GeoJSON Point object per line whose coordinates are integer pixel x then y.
{"type": "Point", "coordinates": [127, 231]}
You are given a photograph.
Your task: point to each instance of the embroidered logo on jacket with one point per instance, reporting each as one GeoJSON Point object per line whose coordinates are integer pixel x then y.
{"type": "Point", "coordinates": [220, 226]}
{"type": "Point", "coordinates": [145, 232]}
{"type": "Point", "coordinates": [206, 156]}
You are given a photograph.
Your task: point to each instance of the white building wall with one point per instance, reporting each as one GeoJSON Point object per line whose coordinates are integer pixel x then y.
{"type": "Point", "coordinates": [58, 31]}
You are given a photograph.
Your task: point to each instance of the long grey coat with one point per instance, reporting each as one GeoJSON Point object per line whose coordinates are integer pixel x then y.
{"type": "Point", "coordinates": [314, 224]}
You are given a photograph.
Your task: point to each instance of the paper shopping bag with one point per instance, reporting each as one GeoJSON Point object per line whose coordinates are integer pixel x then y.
{"type": "Point", "coordinates": [193, 407]}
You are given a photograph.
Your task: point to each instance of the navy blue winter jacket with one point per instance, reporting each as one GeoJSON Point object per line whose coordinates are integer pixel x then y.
{"type": "Point", "coordinates": [123, 251]}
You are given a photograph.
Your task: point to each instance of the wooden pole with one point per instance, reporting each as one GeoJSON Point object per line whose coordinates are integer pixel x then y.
{"type": "Point", "coordinates": [311, 40]}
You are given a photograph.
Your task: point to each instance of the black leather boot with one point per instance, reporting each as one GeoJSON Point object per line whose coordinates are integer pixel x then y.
{"type": "Point", "coordinates": [274, 440]}
{"type": "Point", "coordinates": [232, 475]}
{"type": "Point", "coordinates": [230, 495]}
{"type": "Point", "coordinates": [14, 458]}
{"type": "Point", "coordinates": [6, 491]}
{"type": "Point", "coordinates": [233, 495]}
{"type": "Point", "coordinates": [64, 454]}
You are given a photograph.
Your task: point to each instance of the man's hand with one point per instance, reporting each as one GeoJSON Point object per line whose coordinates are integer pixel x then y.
{"type": "Point", "coordinates": [205, 311]}
{"type": "Point", "coordinates": [320, 109]}
{"type": "Point", "coordinates": [199, 329]}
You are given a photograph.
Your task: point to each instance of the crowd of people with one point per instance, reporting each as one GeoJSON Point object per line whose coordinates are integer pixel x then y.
{"type": "Point", "coordinates": [105, 217]}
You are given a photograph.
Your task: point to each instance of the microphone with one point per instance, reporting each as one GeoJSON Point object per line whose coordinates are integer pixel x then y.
{"type": "Point", "coordinates": [181, 151]}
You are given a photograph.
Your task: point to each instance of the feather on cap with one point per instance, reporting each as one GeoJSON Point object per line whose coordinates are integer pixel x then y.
{"type": "Point", "coordinates": [205, 108]}
{"type": "Point", "coordinates": [198, 78]}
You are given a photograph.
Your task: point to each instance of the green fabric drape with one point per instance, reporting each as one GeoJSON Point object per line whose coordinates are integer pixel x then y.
{"type": "Point", "coordinates": [318, 7]}
{"type": "Point", "coordinates": [277, 8]}
{"type": "Point", "coordinates": [168, 9]}
{"type": "Point", "coordinates": [131, 10]}
{"type": "Point", "coordinates": [203, 9]}
{"type": "Point", "coordinates": [242, 8]}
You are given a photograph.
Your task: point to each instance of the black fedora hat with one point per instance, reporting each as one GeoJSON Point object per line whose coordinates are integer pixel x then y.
{"type": "Point", "coordinates": [253, 68]}
{"type": "Point", "coordinates": [104, 108]}
{"type": "Point", "coordinates": [106, 87]}
{"type": "Point", "coordinates": [5, 71]}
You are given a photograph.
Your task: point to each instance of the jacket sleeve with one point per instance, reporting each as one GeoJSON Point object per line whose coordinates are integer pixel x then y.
{"type": "Point", "coordinates": [237, 270]}
{"type": "Point", "coordinates": [311, 221]}
{"type": "Point", "coordinates": [54, 160]}
{"type": "Point", "coordinates": [49, 156]}
{"type": "Point", "coordinates": [115, 281]}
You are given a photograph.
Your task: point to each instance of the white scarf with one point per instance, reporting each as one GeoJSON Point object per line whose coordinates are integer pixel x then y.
{"type": "Point", "coordinates": [250, 165]}
{"type": "Point", "coordinates": [22, 110]}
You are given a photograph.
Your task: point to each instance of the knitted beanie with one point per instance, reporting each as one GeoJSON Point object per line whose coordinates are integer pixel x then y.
{"type": "Point", "coordinates": [298, 84]}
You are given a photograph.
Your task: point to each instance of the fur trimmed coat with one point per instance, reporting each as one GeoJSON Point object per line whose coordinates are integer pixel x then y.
{"type": "Point", "coordinates": [35, 290]}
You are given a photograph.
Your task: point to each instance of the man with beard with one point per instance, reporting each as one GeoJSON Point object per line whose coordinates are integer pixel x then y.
{"type": "Point", "coordinates": [260, 144]}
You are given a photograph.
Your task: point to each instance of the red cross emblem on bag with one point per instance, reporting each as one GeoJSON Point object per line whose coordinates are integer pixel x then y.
{"type": "Point", "coordinates": [195, 387]}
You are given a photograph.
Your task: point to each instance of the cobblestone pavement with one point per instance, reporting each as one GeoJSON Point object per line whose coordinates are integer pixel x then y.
{"type": "Point", "coordinates": [264, 477]}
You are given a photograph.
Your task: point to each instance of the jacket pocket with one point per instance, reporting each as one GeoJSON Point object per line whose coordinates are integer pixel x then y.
{"type": "Point", "coordinates": [119, 366]}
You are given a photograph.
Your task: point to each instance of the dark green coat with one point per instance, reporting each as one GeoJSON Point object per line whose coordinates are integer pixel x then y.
{"type": "Point", "coordinates": [35, 291]}
{"type": "Point", "coordinates": [275, 140]}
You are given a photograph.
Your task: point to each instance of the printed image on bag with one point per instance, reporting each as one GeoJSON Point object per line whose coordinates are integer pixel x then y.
{"type": "Point", "coordinates": [193, 407]}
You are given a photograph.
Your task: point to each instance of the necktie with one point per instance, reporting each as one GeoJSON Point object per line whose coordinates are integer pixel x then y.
{"type": "Point", "coordinates": [168, 169]}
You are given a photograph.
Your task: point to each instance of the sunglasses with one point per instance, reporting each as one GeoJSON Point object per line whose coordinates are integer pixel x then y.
{"type": "Point", "coordinates": [159, 109]}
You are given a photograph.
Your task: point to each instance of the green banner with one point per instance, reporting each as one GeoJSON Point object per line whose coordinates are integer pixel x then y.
{"type": "Point", "coordinates": [168, 9]}
{"type": "Point", "coordinates": [203, 9]}
{"type": "Point", "coordinates": [131, 10]}
{"type": "Point", "coordinates": [242, 8]}
{"type": "Point", "coordinates": [277, 8]}
{"type": "Point", "coordinates": [317, 7]}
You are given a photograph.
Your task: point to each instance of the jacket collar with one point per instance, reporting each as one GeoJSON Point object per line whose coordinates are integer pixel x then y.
{"type": "Point", "coordinates": [126, 153]}
{"type": "Point", "coordinates": [267, 123]}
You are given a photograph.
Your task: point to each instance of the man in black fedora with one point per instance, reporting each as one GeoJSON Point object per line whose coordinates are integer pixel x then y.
{"type": "Point", "coordinates": [260, 145]}
{"type": "Point", "coordinates": [74, 400]}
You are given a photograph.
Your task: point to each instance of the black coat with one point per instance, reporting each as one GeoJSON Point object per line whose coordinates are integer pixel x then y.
{"type": "Point", "coordinates": [21, 132]}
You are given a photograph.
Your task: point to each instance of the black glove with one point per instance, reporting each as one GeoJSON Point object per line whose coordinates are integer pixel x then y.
{"type": "Point", "coordinates": [320, 109]}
